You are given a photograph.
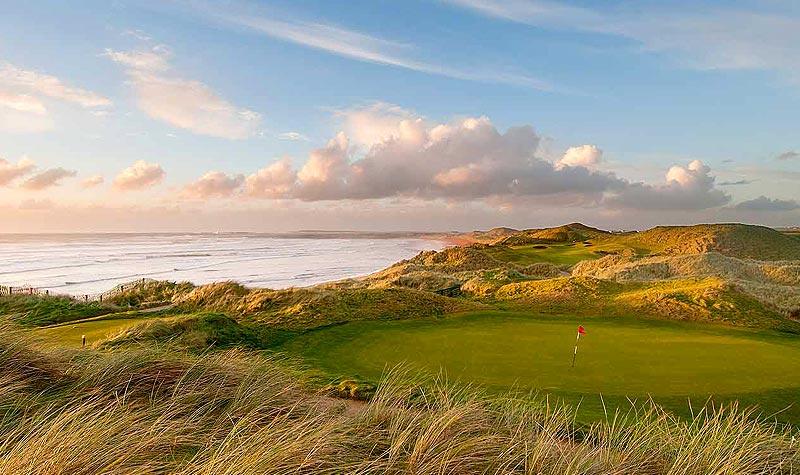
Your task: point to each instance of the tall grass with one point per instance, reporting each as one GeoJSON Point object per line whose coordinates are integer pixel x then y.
{"type": "Point", "coordinates": [156, 411]}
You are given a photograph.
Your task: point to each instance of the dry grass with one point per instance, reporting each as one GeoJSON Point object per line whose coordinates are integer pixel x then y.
{"type": "Point", "coordinates": [155, 412]}
{"type": "Point", "coordinates": [774, 283]}
{"type": "Point", "coordinates": [316, 306]}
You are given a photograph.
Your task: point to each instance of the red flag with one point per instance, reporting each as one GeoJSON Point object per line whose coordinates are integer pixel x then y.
{"type": "Point", "coordinates": [581, 330]}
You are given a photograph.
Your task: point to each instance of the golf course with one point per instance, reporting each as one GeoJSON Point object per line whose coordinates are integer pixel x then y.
{"type": "Point", "coordinates": [689, 362]}
{"type": "Point", "coordinates": [673, 363]}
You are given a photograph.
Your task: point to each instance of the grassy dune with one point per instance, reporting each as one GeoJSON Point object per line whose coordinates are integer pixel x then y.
{"type": "Point", "coordinates": [147, 411]}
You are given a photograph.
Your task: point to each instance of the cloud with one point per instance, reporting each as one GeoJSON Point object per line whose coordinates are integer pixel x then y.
{"type": "Point", "coordinates": [581, 156]}
{"type": "Point", "coordinates": [465, 160]}
{"type": "Point", "coordinates": [22, 109]}
{"type": "Point", "coordinates": [139, 175]}
{"type": "Point", "coordinates": [213, 183]}
{"type": "Point", "coordinates": [47, 178]}
{"type": "Point", "coordinates": [762, 203]}
{"type": "Point", "coordinates": [688, 188]}
{"type": "Point", "coordinates": [376, 122]}
{"type": "Point", "coordinates": [15, 121]}
{"type": "Point", "coordinates": [736, 183]}
{"type": "Point", "coordinates": [50, 86]}
{"type": "Point", "coordinates": [11, 171]}
{"type": "Point", "coordinates": [22, 103]}
{"type": "Point", "coordinates": [404, 156]}
{"type": "Point", "coordinates": [293, 136]}
{"type": "Point", "coordinates": [732, 38]}
{"type": "Point", "coordinates": [273, 181]}
{"type": "Point", "coordinates": [789, 155]}
{"type": "Point", "coordinates": [92, 181]}
{"type": "Point", "coordinates": [356, 45]}
{"type": "Point", "coordinates": [183, 103]}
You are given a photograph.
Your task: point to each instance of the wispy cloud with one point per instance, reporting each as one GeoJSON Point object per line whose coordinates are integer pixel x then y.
{"type": "Point", "coordinates": [183, 103]}
{"type": "Point", "coordinates": [359, 46]}
{"type": "Point", "coordinates": [729, 38]}
{"type": "Point", "coordinates": [22, 99]}
{"type": "Point", "coordinates": [46, 85]}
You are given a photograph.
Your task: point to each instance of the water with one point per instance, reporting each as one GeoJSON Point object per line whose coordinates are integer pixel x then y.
{"type": "Point", "coordinates": [93, 263]}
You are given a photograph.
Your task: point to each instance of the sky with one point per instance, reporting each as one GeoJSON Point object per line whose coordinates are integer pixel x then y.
{"type": "Point", "coordinates": [429, 115]}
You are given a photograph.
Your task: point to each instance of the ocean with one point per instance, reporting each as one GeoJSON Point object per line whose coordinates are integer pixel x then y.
{"type": "Point", "coordinates": [79, 264]}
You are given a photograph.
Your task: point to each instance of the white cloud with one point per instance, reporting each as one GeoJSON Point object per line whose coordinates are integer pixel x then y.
{"type": "Point", "coordinates": [273, 181]}
{"type": "Point", "coordinates": [376, 122]}
{"type": "Point", "coordinates": [691, 188]}
{"type": "Point", "coordinates": [15, 121]}
{"type": "Point", "coordinates": [47, 178]}
{"type": "Point", "coordinates": [22, 109]}
{"type": "Point", "coordinates": [213, 183]}
{"type": "Point", "coordinates": [11, 171]}
{"type": "Point", "coordinates": [139, 175]}
{"type": "Point", "coordinates": [92, 181]}
{"type": "Point", "coordinates": [465, 160]}
{"type": "Point", "coordinates": [182, 103]}
{"type": "Point", "coordinates": [22, 103]}
{"type": "Point", "coordinates": [581, 156]}
{"type": "Point", "coordinates": [50, 86]}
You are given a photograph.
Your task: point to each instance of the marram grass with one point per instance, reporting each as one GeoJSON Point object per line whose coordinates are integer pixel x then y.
{"type": "Point", "coordinates": [154, 411]}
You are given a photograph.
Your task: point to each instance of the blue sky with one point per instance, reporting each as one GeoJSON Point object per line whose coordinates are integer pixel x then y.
{"type": "Point", "coordinates": [209, 115]}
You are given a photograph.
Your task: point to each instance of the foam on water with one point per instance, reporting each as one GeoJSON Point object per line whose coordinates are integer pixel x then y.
{"type": "Point", "coordinates": [93, 263]}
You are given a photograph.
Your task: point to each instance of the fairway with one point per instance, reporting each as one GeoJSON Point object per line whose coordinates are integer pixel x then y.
{"type": "Point", "coordinates": [70, 335]}
{"type": "Point", "coordinates": [499, 350]}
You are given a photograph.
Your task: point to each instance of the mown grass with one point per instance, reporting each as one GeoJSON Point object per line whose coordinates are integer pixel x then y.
{"type": "Point", "coordinates": [70, 336]}
{"type": "Point", "coordinates": [559, 254]}
{"type": "Point", "coordinates": [619, 359]}
{"type": "Point", "coordinates": [150, 411]}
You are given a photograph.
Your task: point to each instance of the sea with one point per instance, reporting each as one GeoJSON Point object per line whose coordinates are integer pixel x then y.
{"type": "Point", "coordinates": [88, 264]}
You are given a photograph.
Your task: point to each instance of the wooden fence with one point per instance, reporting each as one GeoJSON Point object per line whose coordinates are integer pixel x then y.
{"type": "Point", "coordinates": [99, 297]}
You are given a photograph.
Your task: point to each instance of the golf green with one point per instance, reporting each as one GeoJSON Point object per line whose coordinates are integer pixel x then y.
{"type": "Point", "coordinates": [616, 358]}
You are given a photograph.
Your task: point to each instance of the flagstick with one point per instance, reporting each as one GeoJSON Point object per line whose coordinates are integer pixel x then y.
{"type": "Point", "coordinates": [575, 353]}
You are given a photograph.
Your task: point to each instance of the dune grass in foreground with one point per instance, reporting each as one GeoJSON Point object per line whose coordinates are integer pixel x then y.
{"type": "Point", "coordinates": [153, 411]}
{"type": "Point", "coordinates": [619, 359]}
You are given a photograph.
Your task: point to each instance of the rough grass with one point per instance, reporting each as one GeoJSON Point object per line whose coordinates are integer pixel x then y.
{"type": "Point", "coordinates": [198, 332]}
{"type": "Point", "coordinates": [36, 310]}
{"type": "Point", "coordinates": [150, 412]}
{"type": "Point", "coordinates": [709, 299]}
{"type": "Point", "coordinates": [774, 283]}
{"type": "Point", "coordinates": [312, 307]}
{"type": "Point", "coordinates": [149, 293]}
{"type": "Point", "coordinates": [736, 240]}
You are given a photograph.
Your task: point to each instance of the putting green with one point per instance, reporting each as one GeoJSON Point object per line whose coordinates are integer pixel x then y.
{"type": "Point", "coordinates": [620, 358]}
